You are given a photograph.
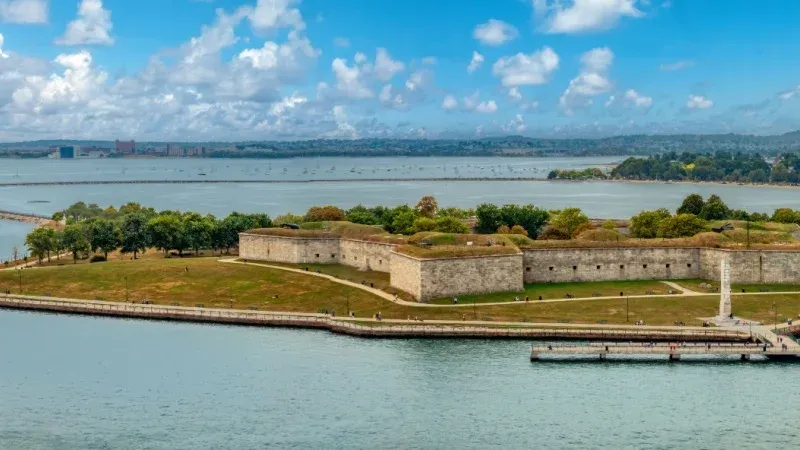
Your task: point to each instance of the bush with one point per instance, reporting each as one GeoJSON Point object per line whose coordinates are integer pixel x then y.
{"type": "Point", "coordinates": [424, 224]}
{"type": "Point", "coordinates": [645, 224]}
{"type": "Point", "coordinates": [503, 229]}
{"type": "Point", "coordinates": [325, 213]}
{"type": "Point", "coordinates": [581, 228]}
{"type": "Point", "coordinates": [517, 229]}
{"type": "Point", "coordinates": [97, 258]}
{"type": "Point", "coordinates": [553, 234]}
{"type": "Point", "coordinates": [609, 225]}
{"type": "Point", "coordinates": [450, 224]}
{"type": "Point", "coordinates": [682, 225]}
{"type": "Point", "coordinates": [784, 215]}
{"type": "Point", "coordinates": [600, 235]}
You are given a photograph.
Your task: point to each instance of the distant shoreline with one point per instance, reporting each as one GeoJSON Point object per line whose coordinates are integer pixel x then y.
{"type": "Point", "coordinates": [384, 180]}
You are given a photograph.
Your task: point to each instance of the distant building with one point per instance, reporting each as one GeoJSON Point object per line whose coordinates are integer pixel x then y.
{"type": "Point", "coordinates": [174, 150]}
{"type": "Point", "coordinates": [195, 151]}
{"type": "Point", "coordinates": [125, 147]}
{"type": "Point", "coordinates": [69, 152]}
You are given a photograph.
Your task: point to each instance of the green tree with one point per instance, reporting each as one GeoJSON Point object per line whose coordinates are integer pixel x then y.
{"type": "Point", "coordinates": [134, 237]}
{"type": "Point", "coordinates": [785, 215]}
{"type": "Point", "coordinates": [569, 219]}
{"type": "Point", "coordinates": [387, 217]}
{"type": "Point", "coordinates": [452, 211]}
{"type": "Point", "coordinates": [40, 242]}
{"type": "Point", "coordinates": [166, 232]}
{"type": "Point", "coordinates": [403, 222]}
{"type": "Point", "coordinates": [692, 204]}
{"type": "Point", "coordinates": [489, 218]}
{"type": "Point", "coordinates": [682, 225]}
{"type": "Point", "coordinates": [75, 241]}
{"type": "Point", "coordinates": [198, 231]}
{"type": "Point", "coordinates": [450, 224]}
{"type": "Point", "coordinates": [427, 207]}
{"type": "Point", "coordinates": [103, 235]}
{"type": "Point", "coordinates": [531, 218]}
{"type": "Point", "coordinates": [424, 224]}
{"type": "Point", "coordinates": [714, 209]}
{"type": "Point", "coordinates": [645, 224]}
{"type": "Point", "coordinates": [361, 214]}
{"type": "Point", "coordinates": [326, 213]}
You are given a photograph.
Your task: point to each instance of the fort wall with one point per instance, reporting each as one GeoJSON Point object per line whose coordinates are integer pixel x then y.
{"type": "Point", "coordinates": [470, 275]}
{"type": "Point", "coordinates": [365, 255]}
{"type": "Point", "coordinates": [293, 250]}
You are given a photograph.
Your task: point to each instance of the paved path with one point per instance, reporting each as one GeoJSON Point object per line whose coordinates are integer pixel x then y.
{"type": "Point", "coordinates": [33, 264]}
{"type": "Point", "coordinates": [685, 291]}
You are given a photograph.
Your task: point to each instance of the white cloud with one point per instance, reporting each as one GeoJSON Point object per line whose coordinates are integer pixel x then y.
{"type": "Point", "coordinates": [276, 14]}
{"type": "Point", "coordinates": [2, 41]}
{"type": "Point", "coordinates": [486, 107]}
{"type": "Point", "coordinates": [475, 63]}
{"type": "Point", "coordinates": [385, 67]}
{"type": "Point", "coordinates": [515, 125]}
{"type": "Point", "coordinates": [786, 95]}
{"type": "Point", "coordinates": [289, 57]}
{"type": "Point", "coordinates": [349, 80]}
{"type": "Point", "coordinates": [591, 81]}
{"type": "Point", "coordinates": [526, 69]}
{"type": "Point", "coordinates": [360, 58]}
{"type": "Point", "coordinates": [389, 100]}
{"type": "Point", "coordinates": [529, 106]}
{"type": "Point", "coordinates": [24, 11]}
{"type": "Point", "coordinates": [699, 102]}
{"type": "Point", "coordinates": [610, 102]}
{"type": "Point", "coordinates": [287, 103]}
{"type": "Point", "coordinates": [677, 65]}
{"type": "Point", "coordinates": [91, 27]}
{"type": "Point", "coordinates": [449, 102]}
{"type": "Point", "coordinates": [341, 42]}
{"type": "Point", "coordinates": [582, 16]}
{"type": "Point", "coordinates": [638, 100]}
{"type": "Point", "coordinates": [514, 94]}
{"type": "Point", "coordinates": [415, 80]}
{"type": "Point", "coordinates": [429, 60]}
{"type": "Point", "coordinates": [494, 32]}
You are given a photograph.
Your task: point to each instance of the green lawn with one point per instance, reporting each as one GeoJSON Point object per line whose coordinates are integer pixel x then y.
{"type": "Point", "coordinates": [694, 285]}
{"type": "Point", "coordinates": [550, 291]}
{"type": "Point", "coordinates": [214, 284]}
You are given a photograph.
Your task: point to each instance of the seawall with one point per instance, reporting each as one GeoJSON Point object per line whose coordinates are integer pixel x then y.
{"type": "Point", "coordinates": [352, 327]}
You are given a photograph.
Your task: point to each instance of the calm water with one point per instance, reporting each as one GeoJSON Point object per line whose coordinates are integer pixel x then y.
{"type": "Point", "coordinates": [70, 382]}
{"type": "Point", "coordinates": [596, 199]}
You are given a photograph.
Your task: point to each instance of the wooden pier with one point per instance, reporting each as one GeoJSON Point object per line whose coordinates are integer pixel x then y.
{"type": "Point", "coordinates": [673, 351]}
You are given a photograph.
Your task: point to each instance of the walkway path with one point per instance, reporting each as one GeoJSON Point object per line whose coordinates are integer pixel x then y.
{"type": "Point", "coordinates": [392, 298]}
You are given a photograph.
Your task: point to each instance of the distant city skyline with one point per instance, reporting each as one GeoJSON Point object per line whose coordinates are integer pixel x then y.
{"type": "Point", "coordinates": [238, 70]}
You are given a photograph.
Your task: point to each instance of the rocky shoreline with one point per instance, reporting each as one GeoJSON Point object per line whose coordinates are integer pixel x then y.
{"type": "Point", "coordinates": [33, 219]}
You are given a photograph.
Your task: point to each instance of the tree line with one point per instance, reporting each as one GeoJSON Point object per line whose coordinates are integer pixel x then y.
{"type": "Point", "coordinates": [132, 229]}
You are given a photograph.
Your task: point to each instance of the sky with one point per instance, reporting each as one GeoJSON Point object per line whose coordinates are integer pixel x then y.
{"type": "Point", "coordinates": [235, 70]}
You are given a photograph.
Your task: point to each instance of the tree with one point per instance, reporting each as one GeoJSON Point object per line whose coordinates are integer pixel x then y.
{"type": "Point", "coordinates": [489, 218]}
{"type": "Point", "coordinates": [714, 209]}
{"type": "Point", "coordinates": [692, 204]}
{"type": "Point", "coordinates": [166, 232]}
{"type": "Point", "coordinates": [427, 207]}
{"type": "Point", "coordinates": [609, 225]}
{"type": "Point", "coordinates": [517, 229]}
{"type": "Point", "coordinates": [387, 217]}
{"type": "Point", "coordinates": [75, 240]}
{"type": "Point", "coordinates": [198, 231]}
{"type": "Point", "coordinates": [403, 222]}
{"type": "Point", "coordinates": [503, 229]}
{"type": "Point", "coordinates": [529, 217]}
{"type": "Point", "coordinates": [449, 224]}
{"type": "Point", "coordinates": [553, 234]}
{"type": "Point", "coordinates": [452, 211]}
{"type": "Point", "coordinates": [134, 238]}
{"type": "Point", "coordinates": [324, 214]}
{"type": "Point", "coordinates": [645, 224]}
{"type": "Point", "coordinates": [424, 224]}
{"type": "Point", "coordinates": [682, 225]}
{"type": "Point", "coordinates": [569, 219]}
{"type": "Point", "coordinates": [40, 242]}
{"type": "Point", "coordinates": [361, 214]}
{"type": "Point", "coordinates": [785, 215]}
{"type": "Point", "coordinates": [103, 235]}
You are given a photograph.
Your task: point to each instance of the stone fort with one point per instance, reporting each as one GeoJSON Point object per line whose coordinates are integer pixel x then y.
{"type": "Point", "coordinates": [428, 278]}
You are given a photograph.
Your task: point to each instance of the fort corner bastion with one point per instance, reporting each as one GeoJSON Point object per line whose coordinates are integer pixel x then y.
{"type": "Point", "coordinates": [437, 265]}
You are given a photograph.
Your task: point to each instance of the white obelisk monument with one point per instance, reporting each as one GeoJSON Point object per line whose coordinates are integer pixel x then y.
{"type": "Point", "coordinates": [725, 288]}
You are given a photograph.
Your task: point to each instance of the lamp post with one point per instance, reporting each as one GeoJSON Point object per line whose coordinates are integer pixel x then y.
{"type": "Point", "coordinates": [775, 308]}
{"type": "Point", "coordinates": [347, 299]}
{"type": "Point", "coordinates": [127, 296]}
{"type": "Point", "coordinates": [20, 280]}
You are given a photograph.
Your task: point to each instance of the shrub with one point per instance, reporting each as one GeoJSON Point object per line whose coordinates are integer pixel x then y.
{"type": "Point", "coordinates": [645, 224]}
{"type": "Point", "coordinates": [784, 215]}
{"type": "Point", "coordinates": [710, 239]}
{"type": "Point", "coordinates": [517, 229]}
{"type": "Point", "coordinates": [609, 225]}
{"type": "Point", "coordinates": [580, 229]}
{"type": "Point", "coordinates": [682, 225]}
{"type": "Point", "coordinates": [424, 224]}
{"type": "Point", "coordinates": [503, 229]}
{"type": "Point", "coordinates": [97, 258]}
{"type": "Point", "coordinates": [324, 213]}
{"type": "Point", "coordinates": [450, 224]}
{"type": "Point", "coordinates": [553, 234]}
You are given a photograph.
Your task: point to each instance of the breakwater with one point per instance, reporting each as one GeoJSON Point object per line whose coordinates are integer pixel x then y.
{"type": "Point", "coordinates": [252, 181]}
{"type": "Point", "coordinates": [35, 219]}
{"type": "Point", "coordinates": [358, 327]}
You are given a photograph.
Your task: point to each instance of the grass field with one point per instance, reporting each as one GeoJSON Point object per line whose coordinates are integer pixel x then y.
{"type": "Point", "coordinates": [215, 284]}
{"type": "Point", "coordinates": [694, 285]}
{"type": "Point", "coordinates": [578, 290]}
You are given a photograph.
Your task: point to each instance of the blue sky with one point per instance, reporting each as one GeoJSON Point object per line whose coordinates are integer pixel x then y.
{"type": "Point", "coordinates": [284, 69]}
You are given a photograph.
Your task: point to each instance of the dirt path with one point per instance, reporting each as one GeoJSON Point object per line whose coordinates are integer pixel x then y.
{"type": "Point", "coordinates": [681, 288]}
